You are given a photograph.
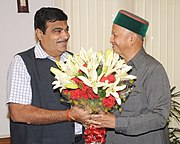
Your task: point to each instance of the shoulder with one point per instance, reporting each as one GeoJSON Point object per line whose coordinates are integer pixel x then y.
{"type": "Point", "coordinates": [155, 70]}
{"type": "Point", "coordinates": [148, 66]}
{"type": "Point", "coordinates": [152, 63]}
{"type": "Point", "coordinates": [27, 52]}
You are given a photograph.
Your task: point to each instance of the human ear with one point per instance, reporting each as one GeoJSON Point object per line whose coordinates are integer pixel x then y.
{"type": "Point", "coordinates": [133, 38]}
{"type": "Point", "coordinates": [39, 34]}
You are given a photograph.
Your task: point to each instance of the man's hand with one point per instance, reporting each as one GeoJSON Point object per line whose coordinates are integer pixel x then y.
{"type": "Point", "coordinates": [82, 116]}
{"type": "Point", "coordinates": [106, 120]}
{"type": "Point", "coordinates": [79, 114]}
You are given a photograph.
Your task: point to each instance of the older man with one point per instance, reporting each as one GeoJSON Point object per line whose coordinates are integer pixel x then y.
{"type": "Point", "coordinates": [145, 113]}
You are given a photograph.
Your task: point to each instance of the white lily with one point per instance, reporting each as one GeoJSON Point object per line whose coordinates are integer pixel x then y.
{"type": "Point", "coordinates": [111, 63]}
{"type": "Point", "coordinates": [78, 60]}
{"type": "Point", "coordinates": [55, 71]}
{"type": "Point", "coordinates": [113, 89]}
{"type": "Point", "coordinates": [93, 84]}
{"type": "Point", "coordinates": [90, 70]}
{"type": "Point", "coordinates": [106, 62]}
{"type": "Point", "coordinates": [126, 67]}
{"type": "Point", "coordinates": [115, 65]}
{"type": "Point", "coordinates": [62, 80]}
{"type": "Point", "coordinates": [87, 55]}
{"type": "Point", "coordinates": [130, 77]}
{"type": "Point", "coordinates": [71, 67]}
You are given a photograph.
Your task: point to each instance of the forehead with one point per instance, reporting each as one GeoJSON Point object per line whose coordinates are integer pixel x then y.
{"type": "Point", "coordinates": [57, 24]}
{"type": "Point", "coordinates": [118, 29]}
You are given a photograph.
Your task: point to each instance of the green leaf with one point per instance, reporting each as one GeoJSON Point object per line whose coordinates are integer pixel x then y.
{"type": "Point", "coordinates": [99, 70]}
{"type": "Point", "coordinates": [175, 114]}
{"type": "Point", "coordinates": [101, 92]}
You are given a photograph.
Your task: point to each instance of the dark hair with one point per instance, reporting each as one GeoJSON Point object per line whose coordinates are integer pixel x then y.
{"type": "Point", "coordinates": [48, 14]}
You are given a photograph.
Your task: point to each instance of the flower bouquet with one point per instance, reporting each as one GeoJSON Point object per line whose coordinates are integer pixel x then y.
{"type": "Point", "coordinates": [94, 80]}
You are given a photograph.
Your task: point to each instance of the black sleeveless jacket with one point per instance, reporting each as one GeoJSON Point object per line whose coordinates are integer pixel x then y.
{"type": "Point", "coordinates": [43, 96]}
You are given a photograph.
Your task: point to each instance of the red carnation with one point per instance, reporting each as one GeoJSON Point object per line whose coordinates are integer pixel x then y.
{"type": "Point", "coordinates": [76, 94]}
{"type": "Point", "coordinates": [65, 91]}
{"type": "Point", "coordinates": [109, 101]}
{"type": "Point", "coordinates": [110, 78]}
{"type": "Point", "coordinates": [91, 94]}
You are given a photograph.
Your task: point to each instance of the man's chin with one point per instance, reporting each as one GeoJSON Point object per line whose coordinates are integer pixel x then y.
{"type": "Point", "coordinates": [114, 49]}
{"type": "Point", "coordinates": [62, 49]}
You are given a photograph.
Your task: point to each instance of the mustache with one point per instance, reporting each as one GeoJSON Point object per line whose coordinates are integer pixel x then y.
{"type": "Point", "coordinates": [65, 40]}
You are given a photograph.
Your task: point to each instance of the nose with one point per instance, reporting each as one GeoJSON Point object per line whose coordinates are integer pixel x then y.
{"type": "Point", "coordinates": [111, 39]}
{"type": "Point", "coordinates": [65, 34]}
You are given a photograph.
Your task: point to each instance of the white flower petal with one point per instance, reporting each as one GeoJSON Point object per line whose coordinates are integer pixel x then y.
{"type": "Point", "coordinates": [118, 101]}
{"type": "Point", "coordinates": [130, 77]}
{"type": "Point", "coordinates": [120, 88]}
{"type": "Point", "coordinates": [116, 96]}
{"type": "Point", "coordinates": [85, 80]}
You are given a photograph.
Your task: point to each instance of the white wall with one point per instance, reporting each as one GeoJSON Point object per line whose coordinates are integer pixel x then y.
{"type": "Point", "coordinates": [16, 34]}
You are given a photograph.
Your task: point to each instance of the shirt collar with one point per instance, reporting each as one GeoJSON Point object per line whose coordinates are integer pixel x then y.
{"type": "Point", "coordinates": [137, 59]}
{"type": "Point", "coordinates": [41, 54]}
